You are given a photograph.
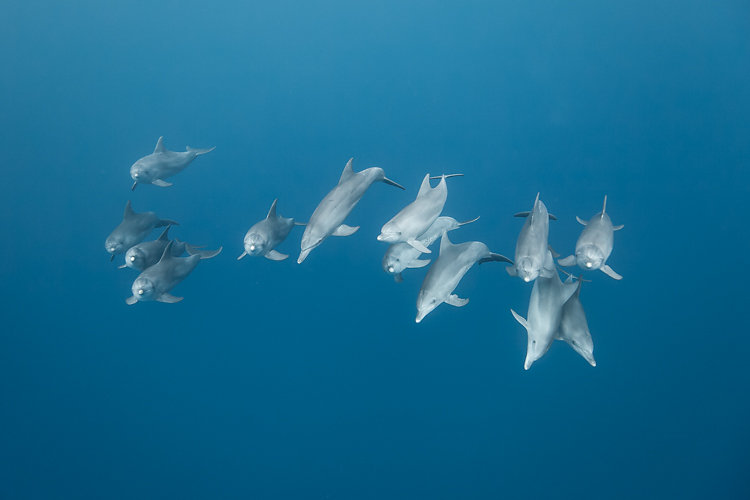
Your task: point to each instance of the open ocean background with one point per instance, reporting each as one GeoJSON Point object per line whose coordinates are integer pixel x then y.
{"type": "Point", "coordinates": [283, 381]}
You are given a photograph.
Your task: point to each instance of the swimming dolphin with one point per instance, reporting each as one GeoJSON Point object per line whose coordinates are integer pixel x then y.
{"type": "Point", "coordinates": [545, 311]}
{"type": "Point", "coordinates": [532, 245]}
{"type": "Point", "coordinates": [160, 164]}
{"type": "Point", "coordinates": [148, 253]}
{"type": "Point", "coordinates": [595, 244]}
{"type": "Point", "coordinates": [133, 228]}
{"type": "Point", "coordinates": [574, 329]}
{"type": "Point", "coordinates": [265, 235]}
{"type": "Point", "coordinates": [416, 217]}
{"type": "Point", "coordinates": [446, 272]}
{"type": "Point", "coordinates": [157, 281]}
{"type": "Point", "coordinates": [327, 219]}
{"type": "Point", "coordinates": [400, 256]}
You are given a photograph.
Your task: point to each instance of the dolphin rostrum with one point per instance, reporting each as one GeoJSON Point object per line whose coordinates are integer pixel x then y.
{"type": "Point", "coordinates": [265, 235]}
{"type": "Point", "coordinates": [157, 281]}
{"type": "Point", "coordinates": [446, 272]}
{"type": "Point", "coordinates": [160, 164]}
{"type": "Point", "coordinates": [148, 253]}
{"type": "Point", "coordinates": [532, 245]}
{"type": "Point", "coordinates": [574, 329]}
{"type": "Point", "coordinates": [595, 244]}
{"type": "Point", "coordinates": [415, 218]}
{"type": "Point", "coordinates": [327, 219]}
{"type": "Point", "coordinates": [133, 228]}
{"type": "Point", "coordinates": [401, 256]}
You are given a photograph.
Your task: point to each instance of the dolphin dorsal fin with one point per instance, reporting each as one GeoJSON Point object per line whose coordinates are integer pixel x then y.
{"type": "Point", "coordinates": [272, 210]}
{"type": "Point", "coordinates": [128, 210]}
{"type": "Point", "coordinates": [163, 236]}
{"type": "Point", "coordinates": [347, 172]}
{"type": "Point", "coordinates": [533, 209]}
{"type": "Point", "coordinates": [160, 146]}
{"type": "Point", "coordinates": [445, 242]}
{"type": "Point", "coordinates": [167, 254]}
{"type": "Point", "coordinates": [425, 187]}
{"type": "Point", "coordinates": [604, 206]}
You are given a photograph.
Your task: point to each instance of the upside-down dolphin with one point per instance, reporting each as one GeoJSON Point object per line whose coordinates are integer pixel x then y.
{"type": "Point", "coordinates": [401, 256]}
{"type": "Point", "coordinates": [532, 245]}
{"type": "Point", "coordinates": [446, 272]}
{"type": "Point", "coordinates": [160, 164]}
{"type": "Point", "coordinates": [327, 219]}
{"type": "Point", "coordinates": [155, 282]}
{"type": "Point", "coordinates": [148, 253]}
{"type": "Point", "coordinates": [415, 218]}
{"type": "Point", "coordinates": [595, 244]}
{"type": "Point", "coordinates": [132, 230]}
{"type": "Point", "coordinates": [574, 329]}
{"type": "Point", "coordinates": [264, 236]}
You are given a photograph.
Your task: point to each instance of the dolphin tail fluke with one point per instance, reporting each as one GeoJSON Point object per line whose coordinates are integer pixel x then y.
{"type": "Point", "coordinates": [167, 222]}
{"type": "Point", "coordinates": [495, 257]}
{"type": "Point", "coordinates": [393, 183]}
{"type": "Point", "coordinates": [567, 261]}
{"type": "Point", "coordinates": [199, 152]}
{"type": "Point", "coordinates": [445, 176]}
{"type": "Point", "coordinates": [469, 221]}
{"type": "Point", "coordinates": [203, 254]}
{"type": "Point", "coordinates": [610, 272]}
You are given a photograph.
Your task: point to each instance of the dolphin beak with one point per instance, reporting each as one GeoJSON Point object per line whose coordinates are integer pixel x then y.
{"type": "Point", "coordinates": [390, 269]}
{"type": "Point", "coordinates": [380, 237]}
{"type": "Point", "coordinates": [252, 248]}
{"type": "Point", "coordinates": [132, 258]}
{"type": "Point", "coordinates": [420, 316]}
{"type": "Point", "coordinates": [526, 279]}
{"type": "Point", "coordinates": [303, 255]}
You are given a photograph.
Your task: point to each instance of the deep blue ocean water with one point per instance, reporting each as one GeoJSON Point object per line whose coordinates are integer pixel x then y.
{"type": "Point", "coordinates": [277, 380]}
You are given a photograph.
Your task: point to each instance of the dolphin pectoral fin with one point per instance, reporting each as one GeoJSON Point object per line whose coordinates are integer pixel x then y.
{"type": "Point", "coordinates": [398, 278]}
{"type": "Point", "coordinates": [552, 250]}
{"type": "Point", "coordinates": [610, 272]}
{"type": "Point", "coordinates": [132, 188]}
{"type": "Point", "coordinates": [243, 254]}
{"type": "Point", "coordinates": [161, 183]}
{"type": "Point", "coordinates": [298, 223]}
{"type": "Point", "coordinates": [580, 221]}
{"type": "Point", "coordinates": [546, 273]}
{"type": "Point", "coordinates": [417, 263]}
{"type": "Point", "coordinates": [167, 222]}
{"type": "Point", "coordinates": [456, 301]}
{"type": "Point", "coordinates": [522, 214]}
{"type": "Point", "coordinates": [393, 183]}
{"type": "Point", "coordinates": [419, 246]}
{"type": "Point", "coordinates": [122, 266]}
{"type": "Point", "coordinates": [551, 217]}
{"type": "Point", "coordinates": [131, 300]}
{"type": "Point", "coordinates": [520, 319]}
{"type": "Point", "coordinates": [568, 261]}
{"type": "Point", "coordinates": [274, 255]}
{"type": "Point", "coordinates": [112, 257]}
{"type": "Point", "coordinates": [617, 228]}
{"type": "Point", "coordinates": [169, 299]}
{"type": "Point", "coordinates": [344, 230]}
{"type": "Point", "coordinates": [511, 271]}
{"type": "Point", "coordinates": [203, 254]}
{"type": "Point", "coordinates": [495, 257]}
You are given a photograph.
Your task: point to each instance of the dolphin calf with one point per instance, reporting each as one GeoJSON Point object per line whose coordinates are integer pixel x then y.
{"type": "Point", "coordinates": [327, 219]}
{"type": "Point", "coordinates": [595, 244]}
{"type": "Point", "coordinates": [545, 311]}
{"type": "Point", "coordinates": [416, 217]}
{"type": "Point", "coordinates": [148, 253]}
{"type": "Point", "coordinates": [532, 245]}
{"type": "Point", "coordinates": [160, 164]}
{"type": "Point", "coordinates": [401, 256]}
{"type": "Point", "coordinates": [574, 329]}
{"type": "Point", "coordinates": [132, 230]}
{"type": "Point", "coordinates": [444, 275]}
{"type": "Point", "coordinates": [264, 236]}
{"type": "Point", "coordinates": [155, 283]}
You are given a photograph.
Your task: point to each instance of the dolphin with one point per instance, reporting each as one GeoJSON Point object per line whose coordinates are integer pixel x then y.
{"type": "Point", "coordinates": [148, 253]}
{"type": "Point", "coordinates": [444, 275]}
{"type": "Point", "coordinates": [531, 247]}
{"type": "Point", "coordinates": [400, 256]}
{"type": "Point", "coordinates": [160, 164]}
{"type": "Point", "coordinates": [155, 283]}
{"type": "Point", "coordinates": [132, 230]}
{"type": "Point", "coordinates": [265, 235]}
{"type": "Point", "coordinates": [416, 217]}
{"type": "Point", "coordinates": [545, 311]}
{"type": "Point", "coordinates": [574, 329]}
{"type": "Point", "coordinates": [595, 244]}
{"type": "Point", "coordinates": [327, 219]}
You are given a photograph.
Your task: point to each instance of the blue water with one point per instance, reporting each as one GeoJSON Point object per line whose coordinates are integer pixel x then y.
{"type": "Point", "coordinates": [277, 380]}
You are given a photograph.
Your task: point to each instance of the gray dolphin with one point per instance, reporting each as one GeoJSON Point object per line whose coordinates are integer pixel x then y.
{"type": "Point", "coordinates": [446, 272]}
{"type": "Point", "coordinates": [160, 164]}
{"type": "Point", "coordinates": [327, 219]}
{"type": "Point", "coordinates": [148, 253]}
{"type": "Point", "coordinates": [574, 329]}
{"type": "Point", "coordinates": [132, 230]}
{"type": "Point", "coordinates": [415, 218]}
{"type": "Point", "coordinates": [532, 245]}
{"type": "Point", "coordinates": [155, 282]}
{"type": "Point", "coordinates": [545, 311]}
{"type": "Point", "coordinates": [401, 256]}
{"type": "Point", "coordinates": [266, 235]}
{"type": "Point", "coordinates": [595, 244]}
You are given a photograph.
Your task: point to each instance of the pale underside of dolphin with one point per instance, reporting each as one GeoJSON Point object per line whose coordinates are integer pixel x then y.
{"type": "Point", "coordinates": [327, 219]}
{"type": "Point", "coordinates": [155, 283]}
{"type": "Point", "coordinates": [264, 236]}
{"type": "Point", "coordinates": [132, 230]}
{"type": "Point", "coordinates": [162, 163]}
{"type": "Point", "coordinates": [532, 244]}
{"type": "Point", "coordinates": [574, 328]}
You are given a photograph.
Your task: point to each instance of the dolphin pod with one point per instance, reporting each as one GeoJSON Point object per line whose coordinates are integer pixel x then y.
{"type": "Point", "coordinates": [555, 310]}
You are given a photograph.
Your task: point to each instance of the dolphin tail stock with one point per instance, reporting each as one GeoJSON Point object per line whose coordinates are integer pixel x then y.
{"type": "Point", "coordinates": [445, 176]}
{"type": "Point", "coordinates": [392, 183]}
{"type": "Point", "coordinates": [568, 261]}
{"type": "Point", "coordinates": [203, 254]}
{"type": "Point", "coordinates": [469, 221]}
{"type": "Point", "coordinates": [495, 257]}
{"type": "Point", "coordinates": [199, 152]}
